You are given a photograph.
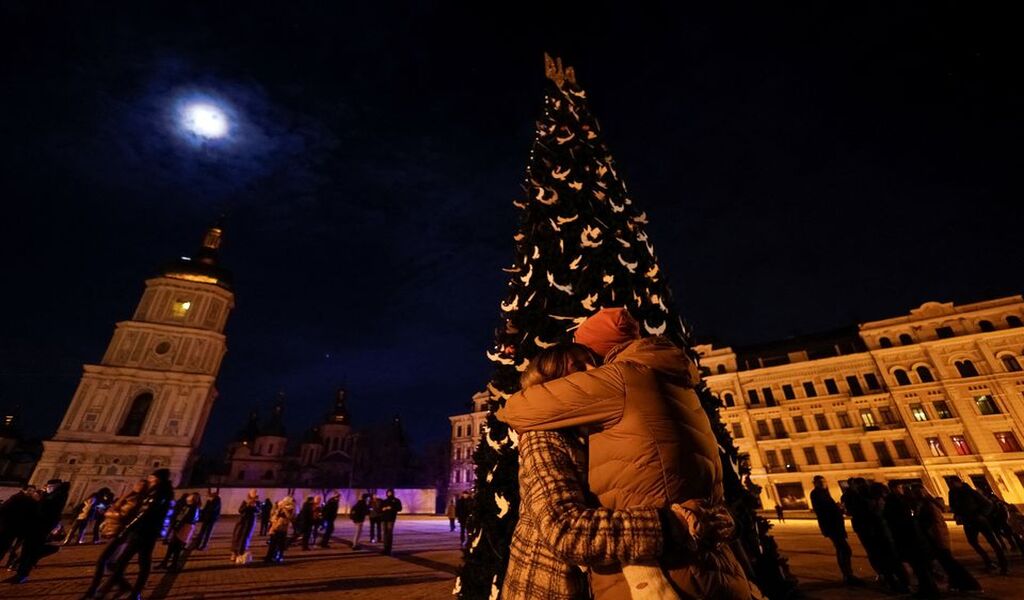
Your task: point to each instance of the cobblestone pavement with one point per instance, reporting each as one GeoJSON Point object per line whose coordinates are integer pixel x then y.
{"type": "Point", "coordinates": [423, 566]}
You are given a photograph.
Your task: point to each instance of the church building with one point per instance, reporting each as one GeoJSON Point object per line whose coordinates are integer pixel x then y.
{"type": "Point", "coordinates": [146, 403]}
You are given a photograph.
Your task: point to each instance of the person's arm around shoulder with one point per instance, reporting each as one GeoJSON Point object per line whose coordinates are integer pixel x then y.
{"type": "Point", "coordinates": [573, 531]}
{"type": "Point", "coordinates": [594, 397]}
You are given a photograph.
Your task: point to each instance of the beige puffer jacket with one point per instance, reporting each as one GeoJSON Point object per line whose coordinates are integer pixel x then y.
{"type": "Point", "coordinates": [651, 445]}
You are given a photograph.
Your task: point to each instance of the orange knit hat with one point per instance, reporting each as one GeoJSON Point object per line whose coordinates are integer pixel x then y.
{"type": "Point", "coordinates": [606, 329]}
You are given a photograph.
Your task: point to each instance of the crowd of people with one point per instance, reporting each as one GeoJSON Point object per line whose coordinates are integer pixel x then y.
{"type": "Point", "coordinates": [902, 525]}
{"type": "Point", "coordinates": [132, 525]}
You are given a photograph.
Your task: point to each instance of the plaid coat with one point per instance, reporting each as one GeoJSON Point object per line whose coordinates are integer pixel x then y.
{"type": "Point", "coordinates": [558, 528]}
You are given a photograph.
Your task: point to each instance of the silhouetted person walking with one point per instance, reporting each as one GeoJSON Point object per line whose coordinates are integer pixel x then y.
{"type": "Point", "coordinates": [932, 524]}
{"type": "Point", "coordinates": [833, 527]}
{"type": "Point", "coordinates": [208, 517]}
{"type": "Point", "coordinates": [389, 509]}
{"type": "Point", "coordinates": [330, 513]}
{"type": "Point", "coordinates": [911, 545]}
{"type": "Point", "coordinates": [972, 510]}
{"type": "Point", "coordinates": [358, 516]}
{"type": "Point", "coordinates": [265, 514]}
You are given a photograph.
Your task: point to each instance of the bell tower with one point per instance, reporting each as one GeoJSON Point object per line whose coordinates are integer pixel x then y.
{"type": "Point", "coordinates": [146, 404]}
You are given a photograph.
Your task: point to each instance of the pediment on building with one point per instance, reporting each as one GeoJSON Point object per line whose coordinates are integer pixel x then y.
{"type": "Point", "coordinates": [930, 310]}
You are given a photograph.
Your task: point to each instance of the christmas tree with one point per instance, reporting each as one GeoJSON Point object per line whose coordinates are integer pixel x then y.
{"type": "Point", "coordinates": [581, 246]}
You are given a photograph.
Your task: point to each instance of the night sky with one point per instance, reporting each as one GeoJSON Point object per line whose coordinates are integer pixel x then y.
{"type": "Point", "coordinates": [805, 166]}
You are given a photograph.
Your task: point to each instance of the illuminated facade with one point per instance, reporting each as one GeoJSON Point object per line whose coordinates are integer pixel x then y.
{"type": "Point", "coordinates": [466, 431]}
{"type": "Point", "coordinates": [146, 404]}
{"type": "Point", "coordinates": [922, 397]}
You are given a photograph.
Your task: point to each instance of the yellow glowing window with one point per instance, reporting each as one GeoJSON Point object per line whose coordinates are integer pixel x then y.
{"type": "Point", "coordinates": [181, 308]}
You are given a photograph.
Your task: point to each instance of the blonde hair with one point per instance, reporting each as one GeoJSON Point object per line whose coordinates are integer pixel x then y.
{"type": "Point", "coordinates": [557, 361]}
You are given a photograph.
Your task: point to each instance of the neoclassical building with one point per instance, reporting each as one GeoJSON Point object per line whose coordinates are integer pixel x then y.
{"type": "Point", "coordinates": [466, 430]}
{"type": "Point", "coordinates": [922, 397]}
{"type": "Point", "coordinates": [146, 403]}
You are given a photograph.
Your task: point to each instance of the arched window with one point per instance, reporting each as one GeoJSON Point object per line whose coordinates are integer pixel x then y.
{"type": "Point", "coordinates": [1010, 363]}
{"type": "Point", "coordinates": [728, 399]}
{"type": "Point", "coordinates": [136, 417]}
{"type": "Point", "coordinates": [986, 326]}
{"type": "Point", "coordinates": [885, 342]}
{"type": "Point", "coordinates": [966, 368]}
{"type": "Point", "coordinates": [924, 374]}
{"type": "Point", "coordinates": [721, 369]}
{"type": "Point", "coordinates": [901, 377]}
{"type": "Point", "coordinates": [1013, 321]}
{"type": "Point", "coordinates": [905, 339]}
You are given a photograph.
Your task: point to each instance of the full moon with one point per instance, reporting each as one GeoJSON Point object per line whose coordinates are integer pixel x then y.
{"type": "Point", "coordinates": [205, 120]}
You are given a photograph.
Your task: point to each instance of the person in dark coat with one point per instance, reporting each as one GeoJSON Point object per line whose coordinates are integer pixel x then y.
{"type": "Point", "coordinates": [141, 535]}
{"type": "Point", "coordinates": [390, 506]}
{"type": "Point", "coordinates": [16, 514]}
{"type": "Point", "coordinates": [208, 517]}
{"type": "Point", "coordinates": [911, 545]}
{"type": "Point", "coordinates": [972, 511]}
{"type": "Point", "coordinates": [182, 527]}
{"type": "Point", "coordinates": [306, 522]}
{"type": "Point", "coordinates": [1000, 518]}
{"type": "Point", "coordinates": [43, 520]}
{"type": "Point", "coordinates": [265, 513]}
{"type": "Point", "coordinates": [248, 512]}
{"type": "Point", "coordinates": [330, 513]}
{"type": "Point", "coordinates": [358, 516]}
{"type": "Point", "coordinates": [932, 524]}
{"type": "Point", "coordinates": [865, 512]}
{"type": "Point", "coordinates": [833, 527]}
{"type": "Point", "coordinates": [374, 515]}
{"type": "Point", "coordinates": [463, 507]}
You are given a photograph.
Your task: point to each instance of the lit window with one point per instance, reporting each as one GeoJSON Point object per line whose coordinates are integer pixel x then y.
{"type": "Point", "coordinates": [1010, 363]}
{"type": "Point", "coordinates": [986, 405]}
{"type": "Point", "coordinates": [867, 417]}
{"type": "Point", "coordinates": [935, 446]}
{"type": "Point", "coordinates": [1007, 441]}
{"type": "Point", "coordinates": [942, 409]}
{"type": "Point", "coordinates": [918, 412]}
{"type": "Point", "coordinates": [960, 445]}
{"type": "Point", "coordinates": [180, 308]}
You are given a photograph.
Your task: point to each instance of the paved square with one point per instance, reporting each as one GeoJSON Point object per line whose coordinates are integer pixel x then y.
{"type": "Point", "coordinates": [423, 566]}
